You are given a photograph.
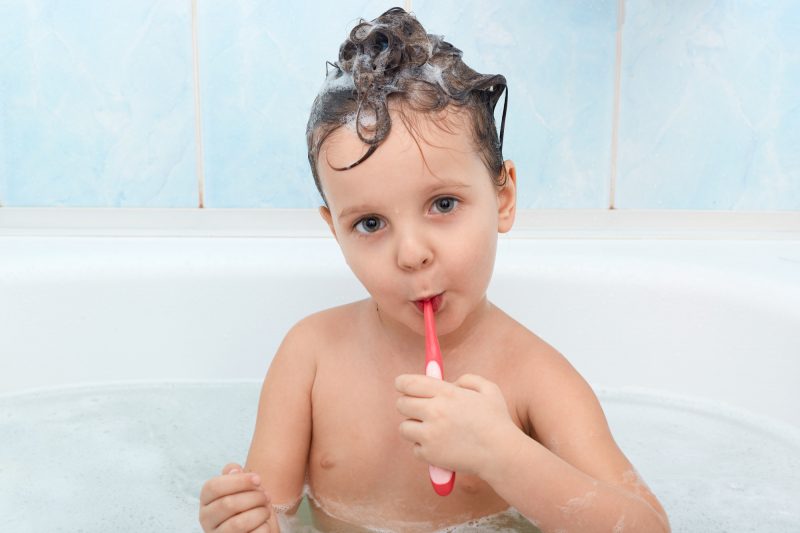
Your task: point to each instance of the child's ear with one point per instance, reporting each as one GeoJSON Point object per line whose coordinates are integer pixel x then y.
{"type": "Point", "coordinates": [507, 199]}
{"type": "Point", "coordinates": [325, 213]}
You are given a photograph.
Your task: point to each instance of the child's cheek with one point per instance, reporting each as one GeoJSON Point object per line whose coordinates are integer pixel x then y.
{"type": "Point", "coordinates": [476, 259]}
{"type": "Point", "coordinates": [373, 275]}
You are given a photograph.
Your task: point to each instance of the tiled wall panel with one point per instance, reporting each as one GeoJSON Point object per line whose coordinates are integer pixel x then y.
{"type": "Point", "coordinates": [97, 100]}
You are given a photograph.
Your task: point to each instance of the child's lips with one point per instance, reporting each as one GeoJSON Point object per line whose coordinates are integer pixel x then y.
{"type": "Point", "coordinates": [436, 301]}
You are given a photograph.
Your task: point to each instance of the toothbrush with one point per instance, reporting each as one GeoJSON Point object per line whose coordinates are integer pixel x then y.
{"type": "Point", "coordinates": [442, 480]}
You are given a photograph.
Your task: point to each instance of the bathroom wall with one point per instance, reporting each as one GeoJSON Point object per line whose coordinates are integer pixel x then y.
{"type": "Point", "coordinates": [630, 104]}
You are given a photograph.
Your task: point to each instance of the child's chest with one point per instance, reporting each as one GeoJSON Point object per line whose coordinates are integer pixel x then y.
{"type": "Point", "coordinates": [359, 463]}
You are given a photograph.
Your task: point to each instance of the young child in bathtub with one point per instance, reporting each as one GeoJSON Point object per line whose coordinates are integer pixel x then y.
{"type": "Point", "coordinates": [404, 151]}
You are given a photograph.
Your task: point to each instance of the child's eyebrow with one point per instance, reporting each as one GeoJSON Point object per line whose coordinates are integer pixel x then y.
{"type": "Point", "coordinates": [433, 188]}
{"type": "Point", "coordinates": [354, 209]}
{"type": "Point", "coordinates": [447, 185]}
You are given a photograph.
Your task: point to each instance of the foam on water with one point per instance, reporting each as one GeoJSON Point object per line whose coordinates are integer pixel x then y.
{"type": "Point", "coordinates": [134, 457]}
{"type": "Point", "coordinates": [510, 520]}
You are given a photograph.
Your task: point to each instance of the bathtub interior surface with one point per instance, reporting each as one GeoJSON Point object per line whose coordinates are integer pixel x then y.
{"type": "Point", "coordinates": [701, 318]}
{"type": "Point", "coordinates": [132, 457]}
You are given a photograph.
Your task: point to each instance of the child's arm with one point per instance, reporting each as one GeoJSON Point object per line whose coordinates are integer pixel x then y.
{"type": "Point", "coordinates": [282, 437]}
{"type": "Point", "coordinates": [583, 482]}
{"type": "Point", "coordinates": [276, 463]}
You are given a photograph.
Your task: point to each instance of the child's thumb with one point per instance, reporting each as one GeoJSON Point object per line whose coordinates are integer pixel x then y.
{"type": "Point", "coordinates": [231, 466]}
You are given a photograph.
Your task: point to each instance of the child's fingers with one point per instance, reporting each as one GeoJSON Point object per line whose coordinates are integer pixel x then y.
{"type": "Point", "coordinates": [419, 385]}
{"type": "Point", "coordinates": [226, 509]}
{"type": "Point", "coordinates": [473, 382]}
{"type": "Point", "coordinates": [263, 528]}
{"type": "Point", "coordinates": [412, 407]}
{"type": "Point", "coordinates": [245, 521]}
{"type": "Point", "coordinates": [411, 430]}
{"type": "Point", "coordinates": [220, 486]}
{"type": "Point", "coordinates": [231, 466]}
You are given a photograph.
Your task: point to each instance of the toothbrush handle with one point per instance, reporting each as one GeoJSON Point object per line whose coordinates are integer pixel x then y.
{"type": "Point", "coordinates": [441, 479]}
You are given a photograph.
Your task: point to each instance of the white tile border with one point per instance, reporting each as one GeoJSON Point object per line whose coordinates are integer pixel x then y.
{"type": "Point", "coordinates": [198, 111]}
{"type": "Point", "coordinates": [299, 223]}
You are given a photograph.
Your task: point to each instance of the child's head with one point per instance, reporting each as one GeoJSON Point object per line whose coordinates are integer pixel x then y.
{"type": "Point", "coordinates": [420, 215]}
{"type": "Point", "coordinates": [392, 62]}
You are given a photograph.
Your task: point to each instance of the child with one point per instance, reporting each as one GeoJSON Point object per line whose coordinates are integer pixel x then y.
{"type": "Point", "coordinates": [404, 151]}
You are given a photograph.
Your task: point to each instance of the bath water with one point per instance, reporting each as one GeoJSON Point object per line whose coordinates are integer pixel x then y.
{"type": "Point", "coordinates": [133, 457]}
{"type": "Point", "coordinates": [510, 521]}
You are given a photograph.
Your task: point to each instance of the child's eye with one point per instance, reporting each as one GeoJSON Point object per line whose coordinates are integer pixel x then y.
{"type": "Point", "coordinates": [369, 224]}
{"type": "Point", "coordinates": [445, 204]}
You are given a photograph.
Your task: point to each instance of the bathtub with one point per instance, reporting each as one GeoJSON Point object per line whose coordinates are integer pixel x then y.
{"type": "Point", "coordinates": [133, 343]}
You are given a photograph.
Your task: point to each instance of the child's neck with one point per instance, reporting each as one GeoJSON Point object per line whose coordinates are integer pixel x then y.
{"type": "Point", "coordinates": [406, 344]}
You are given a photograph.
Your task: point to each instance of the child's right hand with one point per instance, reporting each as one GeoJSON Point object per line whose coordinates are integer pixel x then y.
{"type": "Point", "coordinates": [235, 502]}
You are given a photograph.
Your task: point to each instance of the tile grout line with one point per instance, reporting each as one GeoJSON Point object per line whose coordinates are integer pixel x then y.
{"type": "Point", "coordinates": [408, 7]}
{"type": "Point", "coordinates": [615, 118]}
{"type": "Point", "coordinates": [198, 133]}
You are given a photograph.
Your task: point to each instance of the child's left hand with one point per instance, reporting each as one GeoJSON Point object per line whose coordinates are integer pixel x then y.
{"type": "Point", "coordinates": [455, 426]}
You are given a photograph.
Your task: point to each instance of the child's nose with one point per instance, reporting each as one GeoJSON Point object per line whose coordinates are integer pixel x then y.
{"type": "Point", "coordinates": [413, 252]}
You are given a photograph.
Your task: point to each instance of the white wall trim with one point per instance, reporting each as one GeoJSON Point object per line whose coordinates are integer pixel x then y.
{"type": "Point", "coordinates": [198, 111]}
{"type": "Point", "coordinates": [294, 223]}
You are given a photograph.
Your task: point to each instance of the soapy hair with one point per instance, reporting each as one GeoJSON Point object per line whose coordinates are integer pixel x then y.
{"type": "Point", "coordinates": [392, 57]}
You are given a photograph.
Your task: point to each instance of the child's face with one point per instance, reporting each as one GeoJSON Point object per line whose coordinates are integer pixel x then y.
{"type": "Point", "coordinates": [410, 231]}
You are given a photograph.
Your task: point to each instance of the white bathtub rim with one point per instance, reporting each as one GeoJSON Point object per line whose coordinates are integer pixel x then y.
{"type": "Point", "coordinates": [306, 222]}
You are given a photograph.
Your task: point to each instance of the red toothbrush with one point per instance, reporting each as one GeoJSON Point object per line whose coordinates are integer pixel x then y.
{"type": "Point", "coordinates": [442, 480]}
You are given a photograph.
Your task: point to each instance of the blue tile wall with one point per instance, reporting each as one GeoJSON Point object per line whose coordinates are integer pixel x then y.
{"type": "Point", "coordinates": [710, 105]}
{"type": "Point", "coordinates": [558, 59]}
{"type": "Point", "coordinates": [96, 104]}
{"type": "Point", "coordinates": [261, 65]}
{"type": "Point", "coordinates": [97, 99]}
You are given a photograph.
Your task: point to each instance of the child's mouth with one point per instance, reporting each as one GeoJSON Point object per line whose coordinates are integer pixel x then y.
{"type": "Point", "coordinates": [436, 301]}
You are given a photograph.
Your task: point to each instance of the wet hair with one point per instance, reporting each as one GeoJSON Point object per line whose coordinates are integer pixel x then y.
{"type": "Point", "coordinates": [393, 57]}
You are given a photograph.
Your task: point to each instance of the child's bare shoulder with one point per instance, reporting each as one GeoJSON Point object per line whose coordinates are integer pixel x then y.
{"type": "Point", "coordinates": [543, 367]}
{"type": "Point", "coordinates": [525, 346]}
{"type": "Point", "coordinates": [325, 327]}
{"type": "Point", "coordinates": [548, 375]}
{"type": "Point", "coordinates": [298, 356]}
